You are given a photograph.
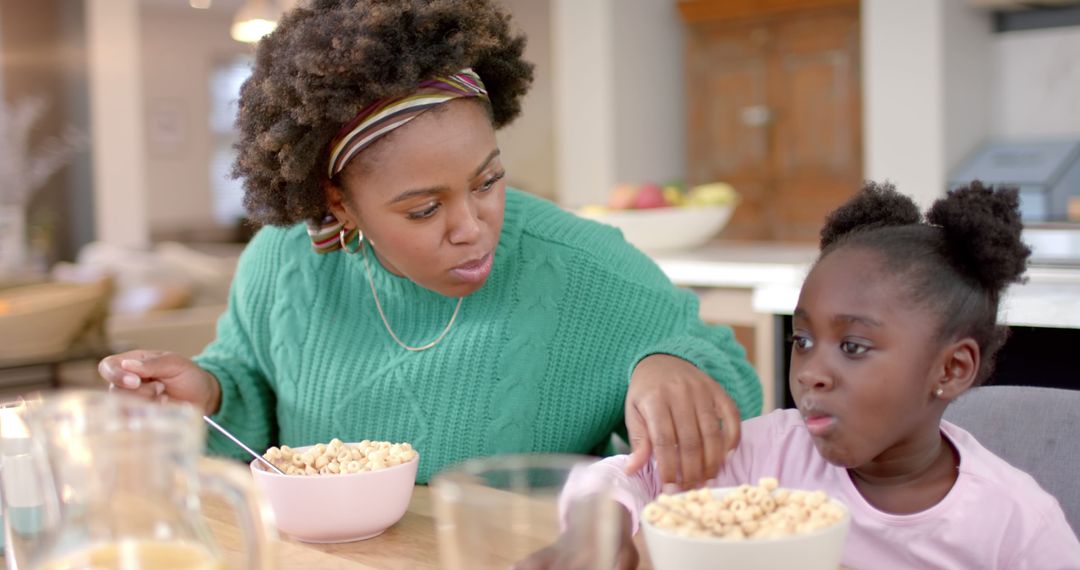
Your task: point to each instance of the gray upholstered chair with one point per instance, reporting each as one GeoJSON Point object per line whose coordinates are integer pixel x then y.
{"type": "Point", "coordinates": [1034, 429]}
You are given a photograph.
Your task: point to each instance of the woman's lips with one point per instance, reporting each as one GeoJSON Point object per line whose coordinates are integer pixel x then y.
{"type": "Point", "coordinates": [474, 271]}
{"type": "Point", "coordinates": [819, 425]}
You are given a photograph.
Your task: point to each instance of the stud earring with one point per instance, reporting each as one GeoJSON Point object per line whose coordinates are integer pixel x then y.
{"type": "Point", "coordinates": [343, 239]}
{"type": "Point", "coordinates": [939, 391]}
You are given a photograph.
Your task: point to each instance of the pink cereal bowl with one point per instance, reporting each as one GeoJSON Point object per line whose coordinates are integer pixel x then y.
{"type": "Point", "coordinates": [337, 508]}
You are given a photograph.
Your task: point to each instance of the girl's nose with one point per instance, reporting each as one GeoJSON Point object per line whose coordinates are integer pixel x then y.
{"type": "Point", "coordinates": [813, 379]}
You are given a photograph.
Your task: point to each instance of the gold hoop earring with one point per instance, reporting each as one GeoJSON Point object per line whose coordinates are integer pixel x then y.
{"type": "Point", "coordinates": [343, 240]}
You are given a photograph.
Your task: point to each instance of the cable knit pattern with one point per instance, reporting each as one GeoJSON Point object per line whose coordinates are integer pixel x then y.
{"type": "Point", "coordinates": [538, 361]}
{"type": "Point", "coordinates": [523, 365]}
{"type": "Point", "coordinates": [290, 313]}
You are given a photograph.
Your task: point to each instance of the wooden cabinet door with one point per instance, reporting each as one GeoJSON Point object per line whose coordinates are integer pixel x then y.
{"type": "Point", "coordinates": [774, 109]}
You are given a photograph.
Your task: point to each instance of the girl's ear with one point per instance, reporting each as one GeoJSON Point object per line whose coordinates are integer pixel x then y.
{"type": "Point", "coordinates": [960, 368]}
{"type": "Point", "coordinates": [335, 199]}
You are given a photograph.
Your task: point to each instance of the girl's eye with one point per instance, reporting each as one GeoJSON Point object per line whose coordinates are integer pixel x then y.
{"type": "Point", "coordinates": [852, 348]}
{"type": "Point", "coordinates": [490, 182]}
{"type": "Point", "coordinates": [425, 213]}
{"type": "Point", "coordinates": [801, 342]}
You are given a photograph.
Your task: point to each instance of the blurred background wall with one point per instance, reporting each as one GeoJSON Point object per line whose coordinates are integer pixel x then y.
{"type": "Point", "coordinates": [153, 84]}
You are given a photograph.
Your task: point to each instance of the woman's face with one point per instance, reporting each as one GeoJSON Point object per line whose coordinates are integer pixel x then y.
{"type": "Point", "coordinates": [862, 364]}
{"type": "Point", "coordinates": [430, 197]}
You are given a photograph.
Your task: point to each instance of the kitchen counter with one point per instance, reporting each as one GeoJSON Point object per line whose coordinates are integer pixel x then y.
{"type": "Point", "coordinates": [774, 273]}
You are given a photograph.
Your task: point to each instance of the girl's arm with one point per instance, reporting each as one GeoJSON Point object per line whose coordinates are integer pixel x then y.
{"type": "Point", "coordinates": [632, 491]}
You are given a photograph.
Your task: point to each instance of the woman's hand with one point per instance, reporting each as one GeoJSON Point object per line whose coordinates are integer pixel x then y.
{"type": "Point", "coordinates": [154, 374]}
{"type": "Point", "coordinates": [683, 416]}
{"type": "Point", "coordinates": [570, 552]}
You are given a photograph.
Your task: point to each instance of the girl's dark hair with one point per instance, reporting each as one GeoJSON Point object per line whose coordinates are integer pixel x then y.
{"type": "Point", "coordinates": [328, 59]}
{"type": "Point", "coordinates": [958, 262]}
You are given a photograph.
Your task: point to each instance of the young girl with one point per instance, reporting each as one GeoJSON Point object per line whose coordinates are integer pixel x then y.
{"type": "Point", "coordinates": [895, 321]}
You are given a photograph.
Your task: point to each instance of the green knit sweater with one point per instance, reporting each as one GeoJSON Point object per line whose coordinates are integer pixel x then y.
{"type": "Point", "coordinates": [538, 360]}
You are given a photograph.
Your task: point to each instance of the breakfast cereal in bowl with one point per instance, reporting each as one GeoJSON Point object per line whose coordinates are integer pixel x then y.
{"type": "Point", "coordinates": [338, 491]}
{"type": "Point", "coordinates": [749, 526]}
{"type": "Point", "coordinates": [337, 457]}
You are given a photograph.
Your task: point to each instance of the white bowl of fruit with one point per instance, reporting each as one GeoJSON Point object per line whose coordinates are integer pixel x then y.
{"type": "Point", "coordinates": [657, 219]}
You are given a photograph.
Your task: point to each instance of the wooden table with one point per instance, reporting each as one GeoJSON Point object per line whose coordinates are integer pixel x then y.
{"type": "Point", "coordinates": [408, 545]}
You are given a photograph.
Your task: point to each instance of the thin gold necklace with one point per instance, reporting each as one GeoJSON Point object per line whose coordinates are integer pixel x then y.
{"type": "Point", "coordinates": [378, 305]}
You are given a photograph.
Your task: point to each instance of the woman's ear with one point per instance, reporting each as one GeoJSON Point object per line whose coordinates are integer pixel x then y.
{"type": "Point", "coordinates": [335, 199]}
{"type": "Point", "coordinates": [960, 368]}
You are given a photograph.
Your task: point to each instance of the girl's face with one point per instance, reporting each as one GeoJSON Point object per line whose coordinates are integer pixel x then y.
{"type": "Point", "coordinates": [429, 198]}
{"type": "Point", "coordinates": [863, 364]}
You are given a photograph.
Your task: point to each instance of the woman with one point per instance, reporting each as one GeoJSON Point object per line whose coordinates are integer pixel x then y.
{"type": "Point", "coordinates": [438, 306]}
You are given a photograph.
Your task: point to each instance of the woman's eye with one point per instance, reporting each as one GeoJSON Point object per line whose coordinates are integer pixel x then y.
{"type": "Point", "coordinates": [490, 182]}
{"type": "Point", "coordinates": [425, 213]}
{"type": "Point", "coordinates": [852, 348]}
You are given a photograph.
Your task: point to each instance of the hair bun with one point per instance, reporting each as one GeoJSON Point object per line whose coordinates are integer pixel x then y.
{"type": "Point", "coordinates": [876, 205]}
{"type": "Point", "coordinates": [982, 233]}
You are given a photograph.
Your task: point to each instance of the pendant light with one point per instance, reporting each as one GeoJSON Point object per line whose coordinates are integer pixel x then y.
{"type": "Point", "coordinates": [253, 20]}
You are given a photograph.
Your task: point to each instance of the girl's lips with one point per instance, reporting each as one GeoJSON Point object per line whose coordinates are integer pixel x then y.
{"type": "Point", "coordinates": [475, 271]}
{"type": "Point", "coordinates": [819, 425]}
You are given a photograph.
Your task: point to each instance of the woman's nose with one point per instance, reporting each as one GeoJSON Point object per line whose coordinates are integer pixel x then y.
{"type": "Point", "coordinates": [464, 224]}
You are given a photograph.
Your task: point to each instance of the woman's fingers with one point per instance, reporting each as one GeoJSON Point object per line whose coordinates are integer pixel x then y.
{"type": "Point", "coordinates": [662, 437]}
{"type": "Point", "coordinates": [162, 365]}
{"type": "Point", "coordinates": [147, 373]}
{"type": "Point", "coordinates": [638, 434]}
{"type": "Point", "coordinates": [113, 372]}
{"type": "Point", "coordinates": [684, 416]}
{"type": "Point", "coordinates": [710, 426]}
{"type": "Point", "coordinates": [163, 376]}
{"type": "Point", "coordinates": [150, 390]}
{"type": "Point", "coordinates": [147, 390]}
{"type": "Point", "coordinates": [729, 416]}
{"type": "Point", "coordinates": [688, 439]}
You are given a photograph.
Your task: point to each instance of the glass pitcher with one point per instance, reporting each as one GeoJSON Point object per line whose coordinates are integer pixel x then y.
{"type": "Point", "coordinates": [494, 513]}
{"type": "Point", "coordinates": [23, 513]}
{"type": "Point", "coordinates": [120, 481]}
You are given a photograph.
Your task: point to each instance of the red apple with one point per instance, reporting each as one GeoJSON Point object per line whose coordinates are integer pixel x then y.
{"type": "Point", "coordinates": [650, 195]}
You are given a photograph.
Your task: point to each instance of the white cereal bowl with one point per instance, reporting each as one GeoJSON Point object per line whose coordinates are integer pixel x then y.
{"type": "Point", "coordinates": [666, 229]}
{"type": "Point", "coordinates": [821, 550]}
{"type": "Point", "coordinates": [337, 508]}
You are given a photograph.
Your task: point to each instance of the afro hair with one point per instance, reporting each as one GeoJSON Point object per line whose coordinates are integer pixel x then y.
{"type": "Point", "coordinates": [328, 59]}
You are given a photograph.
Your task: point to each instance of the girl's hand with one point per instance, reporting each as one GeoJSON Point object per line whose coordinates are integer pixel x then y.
{"type": "Point", "coordinates": [157, 375]}
{"type": "Point", "coordinates": [683, 416]}
{"type": "Point", "coordinates": [570, 552]}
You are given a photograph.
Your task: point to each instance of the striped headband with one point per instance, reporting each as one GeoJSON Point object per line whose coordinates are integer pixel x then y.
{"type": "Point", "coordinates": [381, 117]}
{"type": "Point", "coordinates": [378, 119]}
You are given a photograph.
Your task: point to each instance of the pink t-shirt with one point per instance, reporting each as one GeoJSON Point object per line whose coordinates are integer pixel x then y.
{"type": "Point", "coordinates": [995, 516]}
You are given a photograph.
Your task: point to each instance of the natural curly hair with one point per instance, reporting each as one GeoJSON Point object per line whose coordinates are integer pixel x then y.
{"type": "Point", "coordinates": [328, 59]}
{"type": "Point", "coordinates": [959, 262]}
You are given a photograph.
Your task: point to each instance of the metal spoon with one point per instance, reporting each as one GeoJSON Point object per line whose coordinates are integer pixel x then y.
{"type": "Point", "coordinates": [226, 433]}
